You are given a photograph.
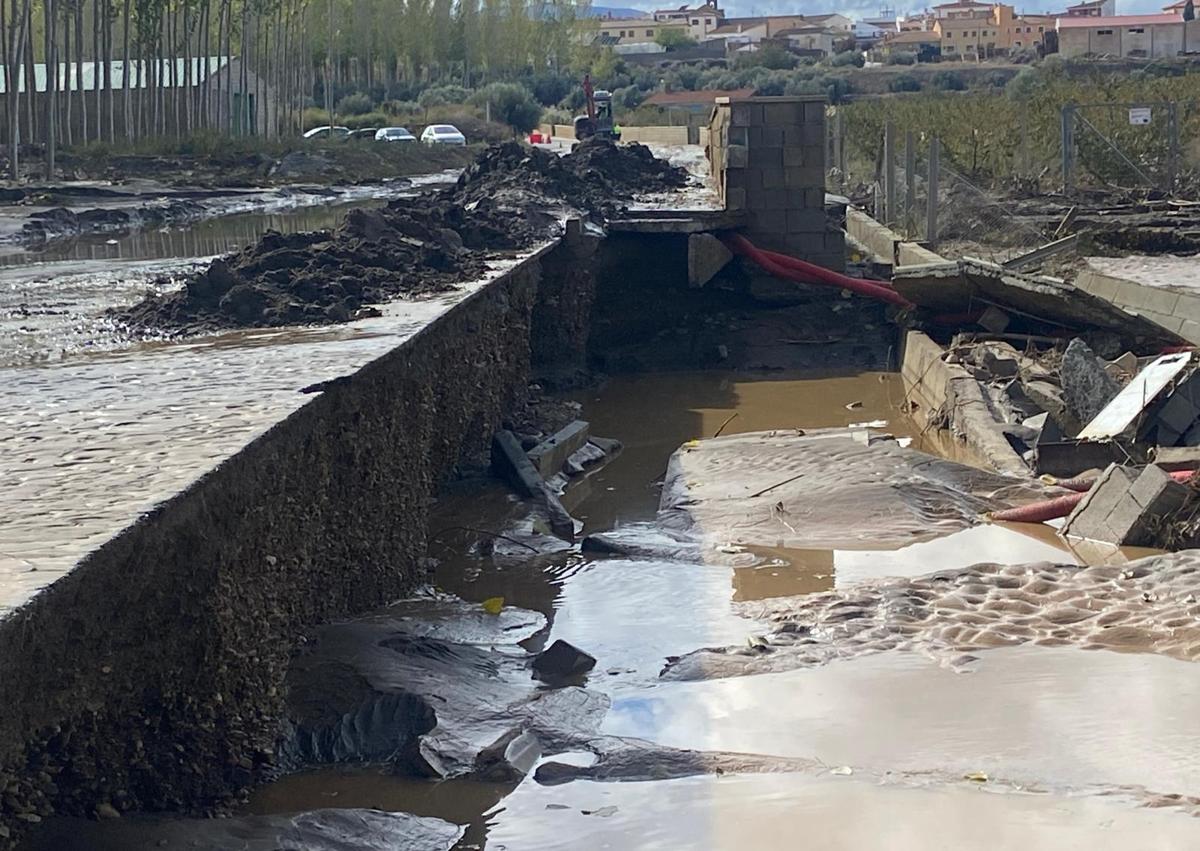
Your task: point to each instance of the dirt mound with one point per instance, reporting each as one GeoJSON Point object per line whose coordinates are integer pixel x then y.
{"type": "Point", "coordinates": [508, 199]}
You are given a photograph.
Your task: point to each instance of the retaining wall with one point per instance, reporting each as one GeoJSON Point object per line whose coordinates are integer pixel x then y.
{"type": "Point", "coordinates": [768, 158]}
{"type": "Point", "coordinates": [887, 245]}
{"type": "Point", "coordinates": [149, 677]}
{"type": "Point", "coordinates": [1177, 311]}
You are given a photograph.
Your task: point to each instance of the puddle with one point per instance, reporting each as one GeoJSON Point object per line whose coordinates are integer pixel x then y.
{"type": "Point", "coordinates": [794, 811]}
{"type": "Point", "coordinates": [1055, 717]}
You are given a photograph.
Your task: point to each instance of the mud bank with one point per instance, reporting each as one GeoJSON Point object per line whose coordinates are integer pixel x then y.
{"type": "Point", "coordinates": [507, 200]}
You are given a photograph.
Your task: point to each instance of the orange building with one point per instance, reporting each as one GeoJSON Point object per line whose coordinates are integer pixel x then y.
{"type": "Point", "coordinates": [995, 32]}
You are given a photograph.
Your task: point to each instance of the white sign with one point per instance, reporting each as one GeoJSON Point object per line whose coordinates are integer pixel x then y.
{"type": "Point", "coordinates": [1139, 115]}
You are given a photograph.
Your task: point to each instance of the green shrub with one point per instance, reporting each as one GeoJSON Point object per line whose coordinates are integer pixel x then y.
{"type": "Point", "coordinates": [902, 58]}
{"type": "Point", "coordinates": [367, 119]}
{"type": "Point", "coordinates": [443, 96]}
{"type": "Point", "coordinates": [947, 81]}
{"type": "Point", "coordinates": [355, 104]}
{"type": "Point", "coordinates": [904, 83]}
{"type": "Point", "coordinates": [847, 58]}
{"type": "Point", "coordinates": [510, 103]}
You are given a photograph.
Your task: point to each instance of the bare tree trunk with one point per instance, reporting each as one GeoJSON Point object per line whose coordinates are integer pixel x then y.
{"type": "Point", "coordinates": [187, 68]}
{"type": "Point", "coordinates": [97, 31]}
{"type": "Point", "coordinates": [51, 86]}
{"type": "Point", "coordinates": [66, 127]}
{"type": "Point", "coordinates": [126, 76]}
{"type": "Point", "coordinates": [31, 118]}
{"type": "Point", "coordinates": [108, 88]}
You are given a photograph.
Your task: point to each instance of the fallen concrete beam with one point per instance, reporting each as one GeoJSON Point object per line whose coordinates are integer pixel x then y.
{"type": "Point", "coordinates": [511, 461]}
{"type": "Point", "coordinates": [549, 456]}
{"type": "Point", "coordinates": [970, 283]}
{"type": "Point", "coordinates": [1172, 458]}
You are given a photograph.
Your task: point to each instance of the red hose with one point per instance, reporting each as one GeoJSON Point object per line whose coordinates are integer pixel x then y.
{"type": "Point", "coordinates": [809, 273]}
{"type": "Point", "coordinates": [1061, 506]}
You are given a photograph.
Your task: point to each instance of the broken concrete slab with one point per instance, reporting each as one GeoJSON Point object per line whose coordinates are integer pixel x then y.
{"type": "Point", "coordinates": [1125, 408]}
{"type": "Point", "coordinates": [707, 256]}
{"type": "Point", "coordinates": [783, 489]}
{"type": "Point", "coordinates": [549, 456]}
{"type": "Point", "coordinates": [971, 283]}
{"type": "Point", "coordinates": [1086, 385]}
{"type": "Point", "coordinates": [1125, 506]}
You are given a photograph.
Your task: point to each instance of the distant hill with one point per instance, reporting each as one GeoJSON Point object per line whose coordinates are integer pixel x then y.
{"type": "Point", "coordinates": [616, 12]}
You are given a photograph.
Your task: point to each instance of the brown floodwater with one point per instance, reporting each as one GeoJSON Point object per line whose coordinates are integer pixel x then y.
{"type": "Point", "coordinates": [1072, 742]}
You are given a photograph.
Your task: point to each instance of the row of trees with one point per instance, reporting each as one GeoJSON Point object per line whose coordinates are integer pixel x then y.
{"type": "Point", "coordinates": [137, 69]}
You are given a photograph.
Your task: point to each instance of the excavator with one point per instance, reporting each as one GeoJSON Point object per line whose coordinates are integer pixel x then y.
{"type": "Point", "coordinates": [598, 121]}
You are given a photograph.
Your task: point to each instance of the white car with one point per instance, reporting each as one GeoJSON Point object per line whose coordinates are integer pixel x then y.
{"type": "Point", "coordinates": [394, 134]}
{"type": "Point", "coordinates": [443, 134]}
{"type": "Point", "coordinates": [326, 130]}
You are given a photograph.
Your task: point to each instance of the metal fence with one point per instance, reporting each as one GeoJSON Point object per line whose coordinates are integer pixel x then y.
{"type": "Point", "coordinates": [916, 191]}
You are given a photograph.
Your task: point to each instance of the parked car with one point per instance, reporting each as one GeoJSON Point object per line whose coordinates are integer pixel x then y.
{"type": "Point", "coordinates": [443, 134]}
{"type": "Point", "coordinates": [326, 130]}
{"type": "Point", "coordinates": [394, 134]}
{"type": "Point", "coordinates": [363, 134]}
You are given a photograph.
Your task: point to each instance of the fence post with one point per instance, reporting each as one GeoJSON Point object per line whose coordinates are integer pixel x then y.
{"type": "Point", "coordinates": [910, 183]}
{"type": "Point", "coordinates": [1068, 145]}
{"type": "Point", "coordinates": [1173, 142]}
{"type": "Point", "coordinates": [840, 129]}
{"type": "Point", "coordinates": [931, 213]}
{"type": "Point", "coordinates": [889, 172]}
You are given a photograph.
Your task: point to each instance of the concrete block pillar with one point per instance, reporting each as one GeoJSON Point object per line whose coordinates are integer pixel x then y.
{"type": "Point", "coordinates": [768, 156]}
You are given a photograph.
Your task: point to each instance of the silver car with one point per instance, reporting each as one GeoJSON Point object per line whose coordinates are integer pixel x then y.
{"type": "Point", "coordinates": [394, 134]}
{"type": "Point", "coordinates": [443, 134]}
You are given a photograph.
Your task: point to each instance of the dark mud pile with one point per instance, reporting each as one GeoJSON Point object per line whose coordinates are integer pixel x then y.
{"type": "Point", "coordinates": [508, 199]}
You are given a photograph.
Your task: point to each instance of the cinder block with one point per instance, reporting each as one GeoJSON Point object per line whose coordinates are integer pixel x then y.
{"type": "Point", "coordinates": [808, 244]}
{"type": "Point", "coordinates": [813, 135]}
{"type": "Point", "coordinates": [835, 242]}
{"type": "Point", "coordinates": [814, 197]}
{"type": "Point", "coordinates": [766, 221]}
{"type": "Point", "coordinates": [754, 137]}
{"type": "Point", "coordinates": [735, 199]}
{"type": "Point", "coordinates": [1190, 331]}
{"type": "Point", "coordinates": [793, 155]}
{"type": "Point", "coordinates": [772, 136]}
{"type": "Point", "coordinates": [742, 114]}
{"type": "Point", "coordinates": [768, 199]}
{"type": "Point", "coordinates": [814, 111]}
{"type": "Point", "coordinates": [780, 114]}
{"type": "Point", "coordinates": [814, 155]}
{"type": "Point", "coordinates": [805, 177]}
{"type": "Point", "coordinates": [738, 178]}
{"type": "Point", "coordinates": [802, 220]}
{"type": "Point", "coordinates": [1153, 298]}
{"type": "Point", "coordinates": [771, 177]}
{"type": "Point", "coordinates": [1188, 307]}
{"type": "Point", "coordinates": [737, 156]}
{"type": "Point", "coordinates": [1122, 506]}
{"type": "Point", "coordinates": [762, 157]}
{"type": "Point", "coordinates": [739, 136]}
{"type": "Point", "coordinates": [1178, 413]}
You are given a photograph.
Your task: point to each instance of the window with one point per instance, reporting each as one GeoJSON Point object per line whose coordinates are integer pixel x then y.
{"type": "Point", "coordinates": [1016, 44]}
{"type": "Point", "coordinates": [695, 22]}
{"type": "Point", "coordinates": [650, 33]}
{"type": "Point", "coordinates": [1041, 29]}
{"type": "Point", "coordinates": [1104, 32]}
{"type": "Point", "coordinates": [1028, 29]}
{"type": "Point", "coordinates": [1137, 30]}
{"type": "Point", "coordinates": [949, 35]}
{"type": "Point", "coordinates": [973, 34]}
{"type": "Point", "coordinates": [708, 21]}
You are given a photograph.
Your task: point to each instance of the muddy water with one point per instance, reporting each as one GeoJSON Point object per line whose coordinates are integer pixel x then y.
{"type": "Point", "coordinates": [1072, 743]}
